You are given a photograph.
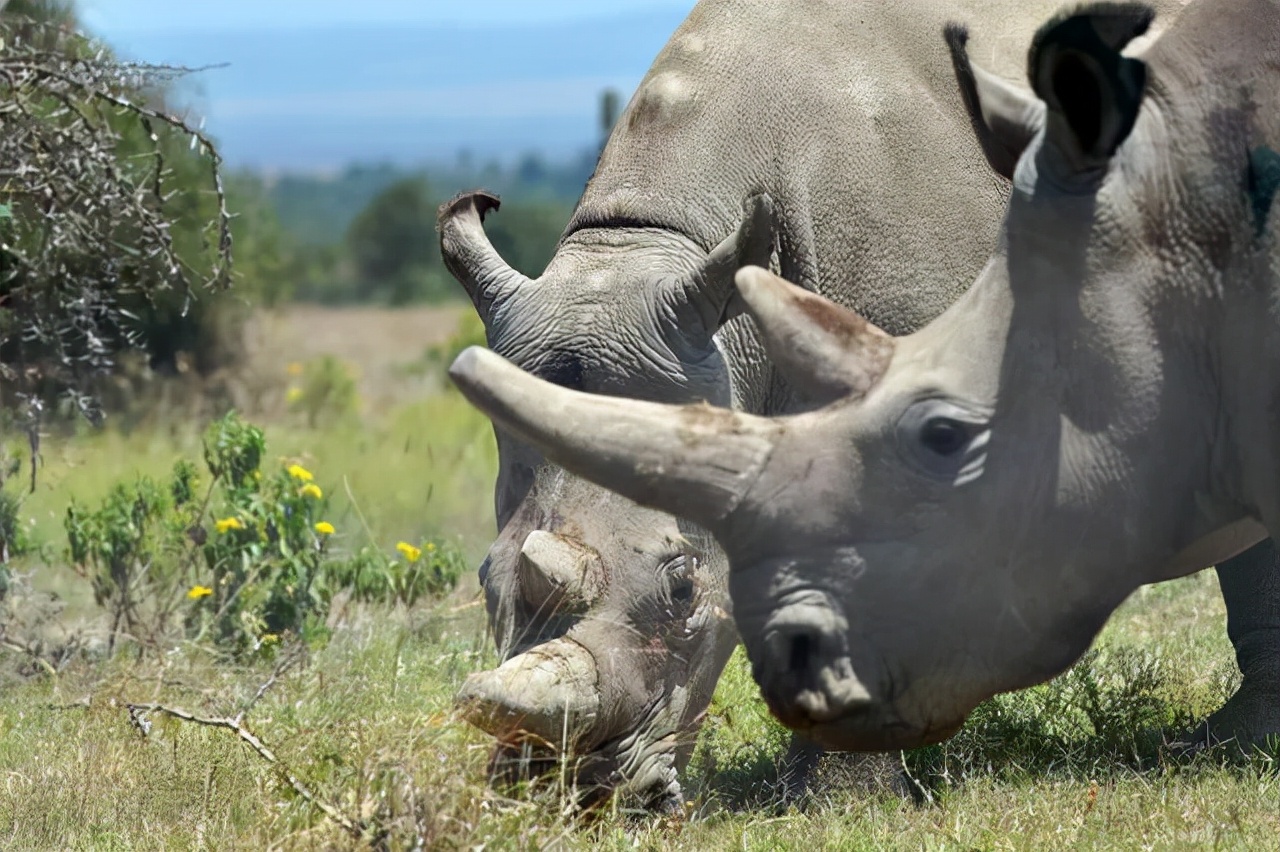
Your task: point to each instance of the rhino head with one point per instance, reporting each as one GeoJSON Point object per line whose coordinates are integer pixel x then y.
{"type": "Point", "coordinates": [964, 506]}
{"type": "Point", "coordinates": [611, 618]}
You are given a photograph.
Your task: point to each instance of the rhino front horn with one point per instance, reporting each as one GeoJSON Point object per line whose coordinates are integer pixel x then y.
{"type": "Point", "coordinates": [693, 461]}
{"type": "Point", "coordinates": [468, 254]}
{"type": "Point", "coordinates": [550, 692]}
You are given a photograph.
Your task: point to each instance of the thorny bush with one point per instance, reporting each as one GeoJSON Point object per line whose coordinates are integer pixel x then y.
{"type": "Point", "coordinates": [108, 202]}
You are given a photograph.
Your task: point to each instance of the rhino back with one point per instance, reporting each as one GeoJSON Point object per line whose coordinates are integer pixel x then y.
{"type": "Point", "coordinates": [848, 114]}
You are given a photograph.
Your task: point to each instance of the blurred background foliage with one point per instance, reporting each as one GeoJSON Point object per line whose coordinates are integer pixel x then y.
{"type": "Point", "coordinates": [362, 237]}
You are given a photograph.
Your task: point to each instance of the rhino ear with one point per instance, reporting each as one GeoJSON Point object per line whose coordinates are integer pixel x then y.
{"type": "Point", "coordinates": [469, 255]}
{"type": "Point", "coordinates": [711, 290]}
{"type": "Point", "coordinates": [1004, 117]}
{"type": "Point", "coordinates": [825, 351]}
{"type": "Point", "coordinates": [1092, 92]}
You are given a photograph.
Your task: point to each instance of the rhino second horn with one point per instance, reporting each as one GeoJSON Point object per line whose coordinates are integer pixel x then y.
{"type": "Point", "coordinates": [826, 351]}
{"type": "Point", "coordinates": [468, 254]}
{"type": "Point", "coordinates": [550, 693]}
{"type": "Point", "coordinates": [559, 574]}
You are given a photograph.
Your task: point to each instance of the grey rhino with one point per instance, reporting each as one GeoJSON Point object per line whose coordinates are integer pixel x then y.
{"type": "Point", "coordinates": [966, 505]}
{"type": "Point", "coordinates": [842, 123]}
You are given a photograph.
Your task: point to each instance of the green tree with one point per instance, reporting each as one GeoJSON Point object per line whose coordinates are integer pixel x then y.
{"type": "Point", "coordinates": [526, 234]}
{"type": "Point", "coordinates": [392, 244]}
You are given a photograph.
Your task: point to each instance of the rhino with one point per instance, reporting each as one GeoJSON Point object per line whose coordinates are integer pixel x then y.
{"type": "Point", "coordinates": [961, 508]}
{"type": "Point", "coordinates": [841, 125]}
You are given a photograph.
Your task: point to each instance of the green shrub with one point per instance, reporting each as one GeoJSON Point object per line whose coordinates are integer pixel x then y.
{"type": "Point", "coordinates": [14, 540]}
{"type": "Point", "coordinates": [238, 561]}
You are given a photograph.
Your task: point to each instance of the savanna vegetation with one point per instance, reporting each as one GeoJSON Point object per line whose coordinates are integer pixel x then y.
{"type": "Point", "coordinates": [235, 610]}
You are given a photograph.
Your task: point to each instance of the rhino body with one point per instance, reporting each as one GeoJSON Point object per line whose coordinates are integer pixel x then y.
{"type": "Point", "coordinates": [842, 122]}
{"type": "Point", "coordinates": [966, 505]}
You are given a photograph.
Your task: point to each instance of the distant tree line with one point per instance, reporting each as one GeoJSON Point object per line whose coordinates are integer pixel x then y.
{"type": "Point", "coordinates": [368, 234]}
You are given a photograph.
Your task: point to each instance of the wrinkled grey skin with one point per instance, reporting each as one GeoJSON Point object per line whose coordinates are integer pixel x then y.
{"type": "Point", "coordinates": [843, 124]}
{"type": "Point", "coordinates": [970, 502]}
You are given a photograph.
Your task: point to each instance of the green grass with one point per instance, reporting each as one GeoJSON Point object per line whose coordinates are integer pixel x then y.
{"type": "Point", "coordinates": [426, 467]}
{"type": "Point", "coordinates": [368, 724]}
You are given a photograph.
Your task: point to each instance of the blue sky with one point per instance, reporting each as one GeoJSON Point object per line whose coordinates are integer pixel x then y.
{"type": "Point", "coordinates": [117, 17]}
{"type": "Point", "coordinates": [314, 84]}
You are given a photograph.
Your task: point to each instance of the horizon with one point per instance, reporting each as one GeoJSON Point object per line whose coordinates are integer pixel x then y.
{"type": "Point", "coordinates": [313, 88]}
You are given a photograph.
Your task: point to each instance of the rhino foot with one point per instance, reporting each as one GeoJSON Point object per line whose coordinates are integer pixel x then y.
{"type": "Point", "coordinates": [1251, 590]}
{"type": "Point", "coordinates": [808, 772]}
{"type": "Point", "coordinates": [1249, 720]}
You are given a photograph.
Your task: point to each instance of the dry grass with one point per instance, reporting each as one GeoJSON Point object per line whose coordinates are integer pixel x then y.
{"type": "Point", "coordinates": [368, 725]}
{"type": "Point", "coordinates": [378, 344]}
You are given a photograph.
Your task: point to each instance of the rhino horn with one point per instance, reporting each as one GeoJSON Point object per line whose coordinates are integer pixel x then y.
{"type": "Point", "coordinates": [751, 244]}
{"type": "Point", "coordinates": [469, 255]}
{"type": "Point", "coordinates": [557, 573]}
{"type": "Point", "coordinates": [827, 352]}
{"type": "Point", "coordinates": [550, 692]}
{"type": "Point", "coordinates": [694, 461]}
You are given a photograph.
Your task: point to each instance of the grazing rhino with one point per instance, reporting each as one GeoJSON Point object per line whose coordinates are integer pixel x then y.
{"type": "Point", "coordinates": [842, 124]}
{"type": "Point", "coordinates": [966, 505]}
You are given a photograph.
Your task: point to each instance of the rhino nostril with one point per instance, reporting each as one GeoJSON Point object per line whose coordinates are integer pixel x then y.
{"type": "Point", "coordinates": [803, 648]}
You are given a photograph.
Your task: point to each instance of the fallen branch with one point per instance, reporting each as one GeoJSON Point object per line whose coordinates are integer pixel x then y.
{"type": "Point", "coordinates": [33, 654]}
{"type": "Point", "coordinates": [236, 725]}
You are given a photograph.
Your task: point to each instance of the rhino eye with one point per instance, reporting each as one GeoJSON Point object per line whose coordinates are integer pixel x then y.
{"type": "Point", "coordinates": [944, 436]}
{"type": "Point", "coordinates": [945, 439]}
{"type": "Point", "coordinates": [680, 572]}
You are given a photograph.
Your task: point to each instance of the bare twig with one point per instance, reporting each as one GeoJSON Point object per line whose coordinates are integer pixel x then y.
{"type": "Point", "coordinates": [136, 712]}
{"type": "Point", "coordinates": [236, 724]}
{"type": "Point", "coordinates": [30, 652]}
{"type": "Point", "coordinates": [295, 654]}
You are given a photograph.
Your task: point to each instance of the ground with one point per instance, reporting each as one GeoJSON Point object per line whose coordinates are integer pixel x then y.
{"type": "Point", "coordinates": [366, 724]}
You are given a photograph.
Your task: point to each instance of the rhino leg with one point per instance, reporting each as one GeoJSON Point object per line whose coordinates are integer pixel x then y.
{"type": "Point", "coordinates": [1251, 588]}
{"type": "Point", "coordinates": [808, 770]}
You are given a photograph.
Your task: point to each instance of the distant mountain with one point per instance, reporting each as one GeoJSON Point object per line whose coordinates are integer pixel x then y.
{"type": "Point", "coordinates": [306, 99]}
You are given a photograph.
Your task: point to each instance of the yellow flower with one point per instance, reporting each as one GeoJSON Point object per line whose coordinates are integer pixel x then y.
{"type": "Point", "coordinates": [294, 369]}
{"type": "Point", "coordinates": [293, 395]}
{"type": "Point", "coordinates": [431, 547]}
{"type": "Point", "coordinates": [310, 490]}
{"type": "Point", "coordinates": [195, 593]}
{"type": "Point", "coordinates": [228, 524]}
{"type": "Point", "coordinates": [411, 553]}
{"type": "Point", "coordinates": [268, 638]}
{"type": "Point", "coordinates": [325, 528]}
{"type": "Point", "coordinates": [297, 471]}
